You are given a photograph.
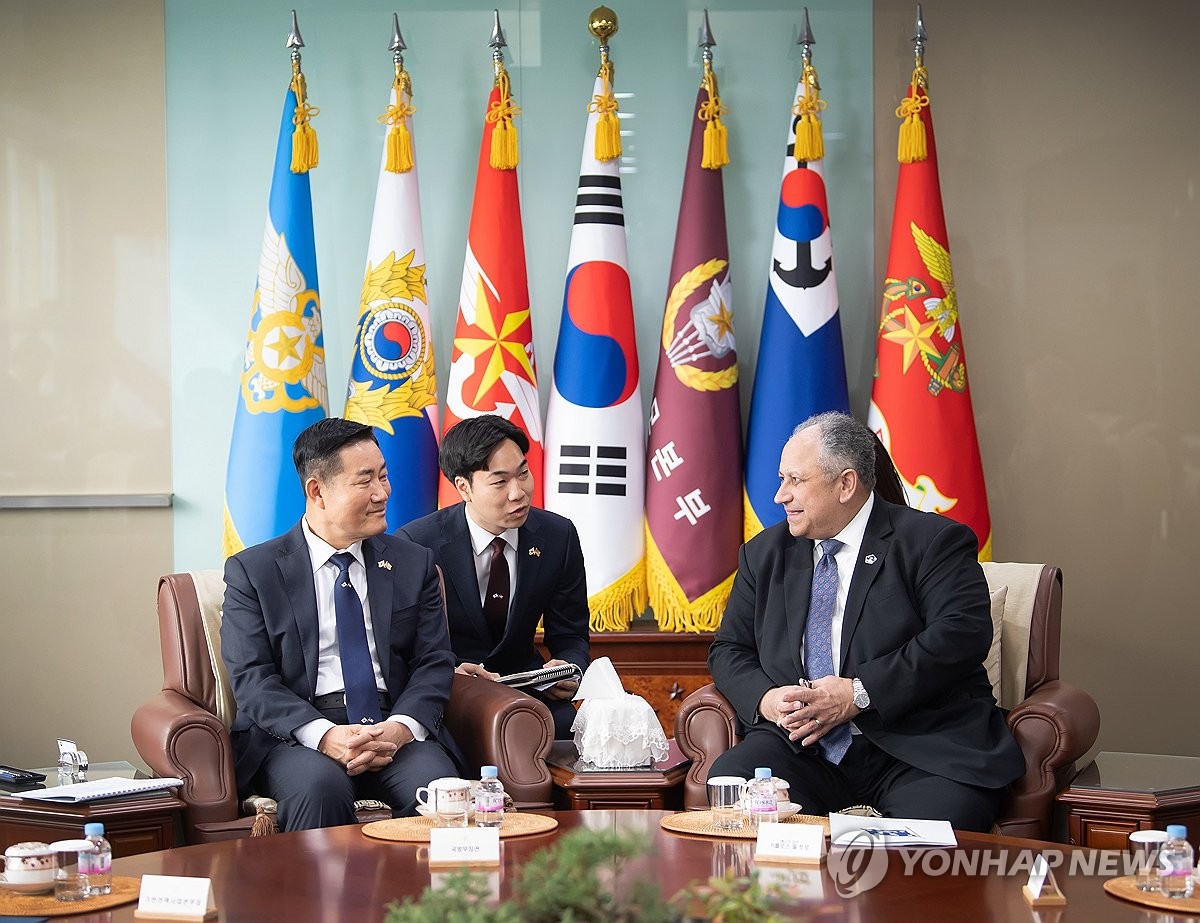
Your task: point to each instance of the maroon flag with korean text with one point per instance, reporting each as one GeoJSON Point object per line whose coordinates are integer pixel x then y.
{"type": "Point", "coordinates": [694, 446]}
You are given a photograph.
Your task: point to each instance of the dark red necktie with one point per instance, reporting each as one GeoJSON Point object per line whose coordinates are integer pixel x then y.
{"type": "Point", "coordinates": [495, 600]}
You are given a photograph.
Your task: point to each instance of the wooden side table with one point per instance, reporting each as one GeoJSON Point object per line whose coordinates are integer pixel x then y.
{"type": "Point", "coordinates": [133, 824]}
{"type": "Point", "coordinates": [1121, 792]}
{"type": "Point", "coordinates": [659, 788]}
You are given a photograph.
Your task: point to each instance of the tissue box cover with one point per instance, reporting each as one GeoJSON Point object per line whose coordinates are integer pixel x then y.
{"type": "Point", "coordinates": [619, 733]}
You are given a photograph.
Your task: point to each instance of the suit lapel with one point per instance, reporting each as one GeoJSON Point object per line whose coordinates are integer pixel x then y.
{"type": "Point", "coordinates": [529, 568]}
{"type": "Point", "coordinates": [380, 587]}
{"type": "Point", "coordinates": [457, 555]}
{"type": "Point", "coordinates": [875, 544]}
{"type": "Point", "coordinates": [797, 591]}
{"type": "Point", "coordinates": [296, 571]}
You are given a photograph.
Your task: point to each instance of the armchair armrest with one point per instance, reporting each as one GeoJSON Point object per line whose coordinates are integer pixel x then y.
{"type": "Point", "coordinates": [498, 726]}
{"type": "Point", "coordinates": [1054, 726]}
{"type": "Point", "coordinates": [178, 738]}
{"type": "Point", "coordinates": [705, 727]}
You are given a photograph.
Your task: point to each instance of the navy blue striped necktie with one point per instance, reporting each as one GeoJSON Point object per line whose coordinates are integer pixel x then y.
{"type": "Point", "coordinates": [358, 672]}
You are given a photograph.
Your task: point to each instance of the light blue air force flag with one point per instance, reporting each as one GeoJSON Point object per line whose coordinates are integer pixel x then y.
{"type": "Point", "coordinates": [283, 387]}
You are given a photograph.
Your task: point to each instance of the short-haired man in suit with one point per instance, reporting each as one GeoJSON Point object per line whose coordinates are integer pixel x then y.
{"type": "Point", "coordinates": [507, 564]}
{"type": "Point", "coordinates": [336, 646]}
{"type": "Point", "coordinates": [852, 646]}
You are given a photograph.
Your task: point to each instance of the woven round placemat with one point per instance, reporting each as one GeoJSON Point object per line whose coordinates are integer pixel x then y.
{"type": "Point", "coordinates": [1125, 889]}
{"type": "Point", "coordinates": [124, 891]}
{"type": "Point", "coordinates": [416, 829]}
{"type": "Point", "coordinates": [700, 823]}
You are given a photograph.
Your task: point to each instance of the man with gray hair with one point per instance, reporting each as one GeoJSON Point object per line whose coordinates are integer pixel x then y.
{"type": "Point", "coordinates": [852, 646]}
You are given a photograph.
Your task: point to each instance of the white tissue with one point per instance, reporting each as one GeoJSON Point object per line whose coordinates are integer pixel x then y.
{"type": "Point", "coordinates": [600, 681]}
{"type": "Point", "coordinates": [615, 729]}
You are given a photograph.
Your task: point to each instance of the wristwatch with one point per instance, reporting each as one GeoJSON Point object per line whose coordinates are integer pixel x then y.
{"type": "Point", "coordinates": [862, 701]}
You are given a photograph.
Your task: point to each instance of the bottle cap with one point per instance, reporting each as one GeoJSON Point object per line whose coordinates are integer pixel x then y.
{"type": "Point", "coordinates": [488, 772]}
{"type": "Point", "coordinates": [762, 772]}
{"type": "Point", "coordinates": [1177, 831]}
{"type": "Point", "coordinates": [93, 829]}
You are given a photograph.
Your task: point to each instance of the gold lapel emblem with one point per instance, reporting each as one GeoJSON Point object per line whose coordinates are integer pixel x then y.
{"type": "Point", "coordinates": [535, 552]}
{"type": "Point", "coordinates": [386, 565]}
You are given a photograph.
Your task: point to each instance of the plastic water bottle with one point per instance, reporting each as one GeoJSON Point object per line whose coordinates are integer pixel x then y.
{"type": "Point", "coordinates": [96, 863]}
{"type": "Point", "coordinates": [1175, 862]}
{"type": "Point", "coordinates": [762, 805]}
{"type": "Point", "coordinates": [489, 799]}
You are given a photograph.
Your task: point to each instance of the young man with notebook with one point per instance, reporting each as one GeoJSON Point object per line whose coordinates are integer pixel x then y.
{"type": "Point", "coordinates": [507, 564]}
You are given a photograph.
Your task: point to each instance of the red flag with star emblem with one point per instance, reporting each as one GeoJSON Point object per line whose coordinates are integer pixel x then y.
{"type": "Point", "coordinates": [492, 368]}
{"type": "Point", "coordinates": [920, 400]}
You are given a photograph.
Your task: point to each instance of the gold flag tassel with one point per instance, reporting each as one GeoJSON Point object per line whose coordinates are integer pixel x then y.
{"type": "Point", "coordinates": [503, 154]}
{"type": "Point", "coordinates": [304, 139]}
{"type": "Point", "coordinates": [608, 129]}
{"type": "Point", "coordinates": [810, 137]}
{"type": "Point", "coordinates": [716, 135]}
{"type": "Point", "coordinates": [399, 138]}
{"type": "Point", "coordinates": [912, 146]}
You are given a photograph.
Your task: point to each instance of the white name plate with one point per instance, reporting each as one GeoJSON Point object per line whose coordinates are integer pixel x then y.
{"type": "Point", "coordinates": [464, 846]}
{"type": "Point", "coordinates": [173, 897]}
{"type": "Point", "coordinates": [803, 844]}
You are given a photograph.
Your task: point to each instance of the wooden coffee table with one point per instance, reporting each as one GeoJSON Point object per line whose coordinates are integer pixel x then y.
{"type": "Point", "coordinates": [337, 875]}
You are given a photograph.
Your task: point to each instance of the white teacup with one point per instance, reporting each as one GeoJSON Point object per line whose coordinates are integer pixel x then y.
{"type": "Point", "coordinates": [448, 799]}
{"type": "Point", "coordinates": [29, 863]}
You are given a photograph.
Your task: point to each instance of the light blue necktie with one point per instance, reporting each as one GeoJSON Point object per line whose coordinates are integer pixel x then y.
{"type": "Point", "coordinates": [818, 640]}
{"type": "Point", "coordinates": [358, 672]}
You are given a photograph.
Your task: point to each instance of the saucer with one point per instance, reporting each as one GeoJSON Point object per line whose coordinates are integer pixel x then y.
{"type": "Point", "coordinates": [26, 887]}
{"type": "Point", "coordinates": [425, 811]}
{"type": "Point", "coordinates": [787, 809]}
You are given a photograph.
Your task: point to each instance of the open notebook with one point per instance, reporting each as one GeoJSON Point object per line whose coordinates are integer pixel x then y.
{"type": "Point", "coordinates": [543, 678]}
{"type": "Point", "coordinates": [100, 788]}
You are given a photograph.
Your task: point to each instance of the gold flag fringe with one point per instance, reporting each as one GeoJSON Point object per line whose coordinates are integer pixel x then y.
{"type": "Point", "coordinates": [503, 155]}
{"type": "Point", "coordinates": [304, 139]}
{"type": "Point", "coordinates": [810, 137]}
{"type": "Point", "coordinates": [608, 129]}
{"type": "Point", "coordinates": [912, 146]}
{"type": "Point", "coordinates": [614, 607]}
{"type": "Point", "coordinates": [399, 138]}
{"type": "Point", "coordinates": [751, 525]}
{"type": "Point", "coordinates": [716, 135]}
{"type": "Point", "coordinates": [672, 609]}
{"type": "Point", "coordinates": [231, 542]}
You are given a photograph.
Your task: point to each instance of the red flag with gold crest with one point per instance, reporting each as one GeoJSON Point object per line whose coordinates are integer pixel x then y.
{"type": "Point", "coordinates": [492, 368]}
{"type": "Point", "coordinates": [921, 400]}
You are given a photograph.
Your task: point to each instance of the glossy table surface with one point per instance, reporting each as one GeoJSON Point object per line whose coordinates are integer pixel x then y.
{"type": "Point", "coordinates": [338, 874]}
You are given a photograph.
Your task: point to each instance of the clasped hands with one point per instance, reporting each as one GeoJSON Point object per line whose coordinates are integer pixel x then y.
{"type": "Point", "coordinates": [364, 747]}
{"type": "Point", "coordinates": [806, 712]}
{"type": "Point", "coordinates": [563, 689]}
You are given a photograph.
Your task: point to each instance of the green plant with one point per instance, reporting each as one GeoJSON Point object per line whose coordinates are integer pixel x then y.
{"type": "Point", "coordinates": [579, 880]}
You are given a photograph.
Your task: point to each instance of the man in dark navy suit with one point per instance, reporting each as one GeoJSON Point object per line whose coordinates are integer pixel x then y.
{"type": "Point", "coordinates": [335, 641]}
{"type": "Point", "coordinates": [507, 564]}
{"type": "Point", "coordinates": [852, 646]}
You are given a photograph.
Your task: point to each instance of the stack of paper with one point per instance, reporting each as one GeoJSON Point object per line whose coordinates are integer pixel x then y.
{"type": "Point", "coordinates": [101, 788]}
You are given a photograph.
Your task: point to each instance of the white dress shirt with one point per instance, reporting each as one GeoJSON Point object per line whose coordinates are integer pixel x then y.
{"type": "Point", "coordinates": [481, 544]}
{"type": "Point", "coordinates": [329, 661]}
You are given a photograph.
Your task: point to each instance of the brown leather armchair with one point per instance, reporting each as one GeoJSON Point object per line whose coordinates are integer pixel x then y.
{"type": "Point", "coordinates": [183, 731]}
{"type": "Point", "coordinates": [1054, 723]}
